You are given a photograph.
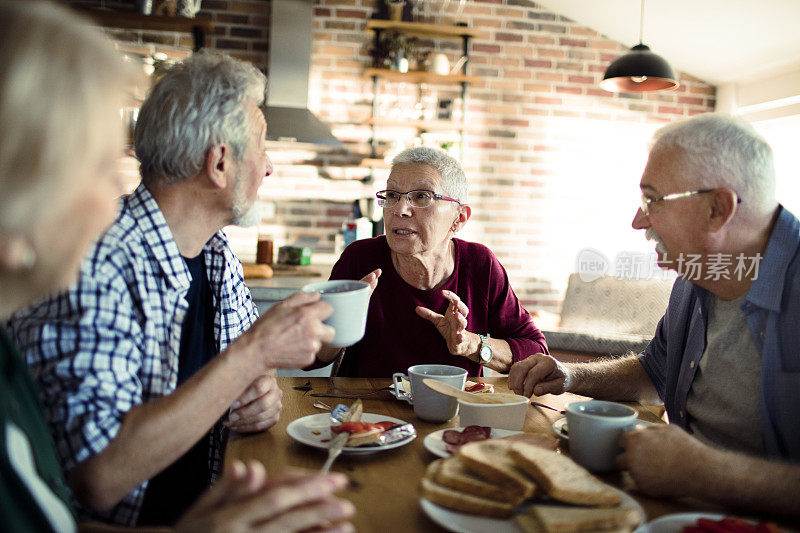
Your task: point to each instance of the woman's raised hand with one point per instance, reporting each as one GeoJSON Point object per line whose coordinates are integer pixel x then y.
{"type": "Point", "coordinates": [372, 279]}
{"type": "Point", "coordinates": [453, 325]}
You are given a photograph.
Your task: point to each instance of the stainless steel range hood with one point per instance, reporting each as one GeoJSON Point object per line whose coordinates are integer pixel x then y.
{"type": "Point", "coordinates": [288, 117]}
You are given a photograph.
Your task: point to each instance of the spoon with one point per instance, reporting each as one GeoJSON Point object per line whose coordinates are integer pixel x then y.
{"type": "Point", "coordinates": [449, 390]}
{"type": "Point", "coordinates": [473, 397]}
{"type": "Point", "coordinates": [322, 405]}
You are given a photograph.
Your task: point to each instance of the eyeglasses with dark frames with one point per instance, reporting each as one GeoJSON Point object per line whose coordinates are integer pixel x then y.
{"type": "Point", "coordinates": [419, 198]}
{"type": "Point", "coordinates": [647, 202]}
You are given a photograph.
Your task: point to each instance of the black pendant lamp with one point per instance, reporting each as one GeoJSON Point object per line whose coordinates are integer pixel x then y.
{"type": "Point", "coordinates": [640, 70]}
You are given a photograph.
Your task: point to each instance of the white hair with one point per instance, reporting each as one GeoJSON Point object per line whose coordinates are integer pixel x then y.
{"type": "Point", "coordinates": [454, 181]}
{"type": "Point", "coordinates": [59, 78]}
{"type": "Point", "coordinates": [198, 103]}
{"type": "Point", "coordinates": [727, 152]}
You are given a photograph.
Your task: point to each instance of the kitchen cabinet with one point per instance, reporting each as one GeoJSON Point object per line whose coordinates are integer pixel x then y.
{"type": "Point", "coordinates": [418, 77]}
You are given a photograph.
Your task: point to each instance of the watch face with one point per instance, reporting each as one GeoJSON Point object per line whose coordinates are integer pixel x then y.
{"type": "Point", "coordinates": [486, 354]}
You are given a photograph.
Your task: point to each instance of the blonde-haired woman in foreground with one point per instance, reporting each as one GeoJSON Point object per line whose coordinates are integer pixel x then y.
{"type": "Point", "coordinates": [60, 141]}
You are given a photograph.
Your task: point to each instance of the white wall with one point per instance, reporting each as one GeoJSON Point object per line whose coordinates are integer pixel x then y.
{"type": "Point", "coordinates": [772, 104]}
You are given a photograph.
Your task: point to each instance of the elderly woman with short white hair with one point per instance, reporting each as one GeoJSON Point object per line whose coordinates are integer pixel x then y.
{"type": "Point", "coordinates": [439, 299]}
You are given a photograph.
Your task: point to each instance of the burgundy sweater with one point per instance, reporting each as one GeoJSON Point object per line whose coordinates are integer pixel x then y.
{"type": "Point", "coordinates": [397, 338]}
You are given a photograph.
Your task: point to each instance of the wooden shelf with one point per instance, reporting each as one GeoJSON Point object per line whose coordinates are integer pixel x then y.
{"type": "Point", "coordinates": [418, 29]}
{"type": "Point", "coordinates": [439, 125]}
{"type": "Point", "coordinates": [419, 76]}
{"type": "Point", "coordinates": [421, 29]}
{"type": "Point", "coordinates": [129, 20]}
{"type": "Point", "coordinates": [137, 21]}
{"type": "Point", "coordinates": [375, 163]}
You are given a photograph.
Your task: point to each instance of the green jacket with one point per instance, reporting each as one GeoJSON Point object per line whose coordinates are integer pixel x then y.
{"type": "Point", "coordinates": [33, 493]}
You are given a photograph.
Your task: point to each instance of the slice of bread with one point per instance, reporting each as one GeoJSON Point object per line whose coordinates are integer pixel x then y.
{"type": "Point", "coordinates": [490, 460]}
{"type": "Point", "coordinates": [354, 414]}
{"type": "Point", "coordinates": [452, 473]}
{"type": "Point", "coordinates": [464, 503]}
{"type": "Point", "coordinates": [564, 519]}
{"type": "Point", "coordinates": [542, 440]}
{"type": "Point", "coordinates": [360, 439]}
{"type": "Point", "coordinates": [372, 436]}
{"type": "Point", "coordinates": [561, 478]}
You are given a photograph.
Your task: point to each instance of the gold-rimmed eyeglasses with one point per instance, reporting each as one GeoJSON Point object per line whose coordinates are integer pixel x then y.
{"type": "Point", "coordinates": [647, 202]}
{"type": "Point", "coordinates": [418, 198]}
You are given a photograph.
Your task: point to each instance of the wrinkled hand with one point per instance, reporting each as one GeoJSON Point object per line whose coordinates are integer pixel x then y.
{"type": "Point", "coordinates": [452, 325]}
{"type": "Point", "coordinates": [259, 406]}
{"type": "Point", "coordinates": [661, 459]}
{"type": "Point", "coordinates": [539, 374]}
{"type": "Point", "coordinates": [246, 500]}
{"type": "Point", "coordinates": [372, 279]}
{"type": "Point", "coordinates": [289, 334]}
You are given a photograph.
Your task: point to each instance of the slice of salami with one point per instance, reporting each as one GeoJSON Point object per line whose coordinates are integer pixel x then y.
{"type": "Point", "coordinates": [452, 436]}
{"type": "Point", "coordinates": [474, 433]}
{"type": "Point", "coordinates": [454, 439]}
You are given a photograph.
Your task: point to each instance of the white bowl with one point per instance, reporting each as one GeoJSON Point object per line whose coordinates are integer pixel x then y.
{"type": "Point", "coordinates": [507, 415]}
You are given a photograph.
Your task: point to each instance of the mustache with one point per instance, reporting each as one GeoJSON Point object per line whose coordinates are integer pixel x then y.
{"type": "Point", "coordinates": [651, 235]}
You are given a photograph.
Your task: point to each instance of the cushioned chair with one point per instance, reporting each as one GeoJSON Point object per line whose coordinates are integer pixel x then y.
{"type": "Point", "coordinates": [607, 316]}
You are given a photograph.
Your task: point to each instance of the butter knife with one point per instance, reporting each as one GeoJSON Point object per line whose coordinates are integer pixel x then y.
{"type": "Point", "coordinates": [335, 448]}
{"type": "Point", "coordinates": [349, 394]}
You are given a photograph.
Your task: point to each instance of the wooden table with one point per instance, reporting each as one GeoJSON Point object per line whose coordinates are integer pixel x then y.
{"type": "Point", "coordinates": [384, 486]}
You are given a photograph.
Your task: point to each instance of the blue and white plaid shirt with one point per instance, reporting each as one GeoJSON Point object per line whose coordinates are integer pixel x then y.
{"type": "Point", "coordinates": [112, 340]}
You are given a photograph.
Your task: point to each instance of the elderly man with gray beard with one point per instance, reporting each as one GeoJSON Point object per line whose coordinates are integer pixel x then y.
{"type": "Point", "coordinates": [147, 361]}
{"type": "Point", "coordinates": [725, 358]}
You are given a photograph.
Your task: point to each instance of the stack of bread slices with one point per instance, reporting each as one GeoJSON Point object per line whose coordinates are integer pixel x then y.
{"type": "Point", "coordinates": [492, 478]}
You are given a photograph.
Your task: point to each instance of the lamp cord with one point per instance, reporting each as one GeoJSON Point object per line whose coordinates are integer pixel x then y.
{"type": "Point", "coordinates": [641, 22]}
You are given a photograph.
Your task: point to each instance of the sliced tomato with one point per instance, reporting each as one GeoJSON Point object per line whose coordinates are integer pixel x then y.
{"type": "Point", "coordinates": [477, 387]}
{"type": "Point", "coordinates": [361, 427]}
{"type": "Point", "coordinates": [353, 427]}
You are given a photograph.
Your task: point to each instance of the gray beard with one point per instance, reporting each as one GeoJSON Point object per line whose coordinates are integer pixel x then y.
{"type": "Point", "coordinates": [244, 215]}
{"type": "Point", "coordinates": [247, 218]}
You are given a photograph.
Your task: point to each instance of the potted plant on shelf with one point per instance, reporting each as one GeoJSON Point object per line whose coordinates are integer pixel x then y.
{"type": "Point", "coordinates": [394, 52]}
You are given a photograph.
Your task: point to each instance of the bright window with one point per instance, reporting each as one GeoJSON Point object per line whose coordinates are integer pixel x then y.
{"type": "Point", "coordinates": [782, 134]}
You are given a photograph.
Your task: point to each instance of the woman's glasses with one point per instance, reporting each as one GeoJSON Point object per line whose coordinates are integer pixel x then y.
{"type": "Point", "coordinates": [419, 198]}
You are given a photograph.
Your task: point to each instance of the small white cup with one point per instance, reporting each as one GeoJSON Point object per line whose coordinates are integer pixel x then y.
{"type": "Point", "coordinates": [350, 302]}
{"type": "Point", "coordinates": [439, 64]}
{"type": "Point", "coordinates": [428, 404]}
{"type": "Point", "coordinates": [507, 415]}
{"type": "Point", "coordinates": [595, 427]}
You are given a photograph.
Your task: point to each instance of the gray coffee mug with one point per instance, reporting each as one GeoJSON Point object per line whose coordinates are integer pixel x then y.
{"type": "Point", "coordinates": [429, 404]}
{"type": "Point", "coordinates": [595, 427]}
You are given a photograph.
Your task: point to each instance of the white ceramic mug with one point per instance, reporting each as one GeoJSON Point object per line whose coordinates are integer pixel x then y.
{"type": "Point", "coordinates": [350, 302]}
{"type": "Point", "coordinates": [439, 64]}
{"type": "Point", "coordinates": [595, 427]}
{"type": "Point", "coordinates": [428, 404]}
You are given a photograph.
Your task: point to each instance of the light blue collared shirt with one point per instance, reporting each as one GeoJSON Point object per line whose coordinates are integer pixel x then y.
{"type": "Point", "coordinates": [772, 311]}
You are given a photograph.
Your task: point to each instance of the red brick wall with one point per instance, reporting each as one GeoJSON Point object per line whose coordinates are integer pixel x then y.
{"type": "Point", "coordinates": [553, 160]}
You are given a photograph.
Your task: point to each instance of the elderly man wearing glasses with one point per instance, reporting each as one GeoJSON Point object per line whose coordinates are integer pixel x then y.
{"type": "Point", "coordinates": [440, 299]}
{"type": "Point", "coordinates": [725, 359]}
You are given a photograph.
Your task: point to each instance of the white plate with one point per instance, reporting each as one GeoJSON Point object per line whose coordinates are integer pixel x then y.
{"type": "Point", "coordinates": [468, 523]}
{"type": "Point", "coordinates": [434, 443]}
{"type": "Point", "coordinates": [674, 523]}
{"type": "Point", "coordinates": [315, 430]}
{"type": "Point", "coordinates": [560, 427]}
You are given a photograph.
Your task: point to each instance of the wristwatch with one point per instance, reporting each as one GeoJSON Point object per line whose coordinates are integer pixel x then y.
{"type": "Point", "coordinates": [486, 349]}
